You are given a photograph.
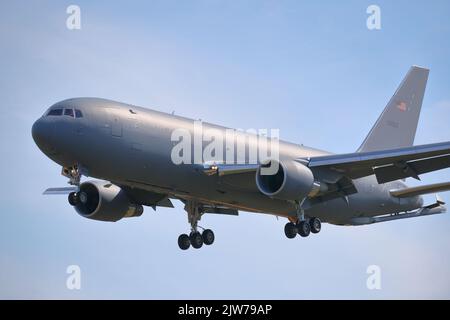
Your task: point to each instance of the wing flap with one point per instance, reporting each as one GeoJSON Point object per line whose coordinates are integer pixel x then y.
{"type": "Point", "coordinates": [165, 202]}
{"type": "Point", "coordinates": [220, 210]}
{"type": "Point", "coordinates": [147, 198]}
{"type": "Point", "coordinates": [411, 168]}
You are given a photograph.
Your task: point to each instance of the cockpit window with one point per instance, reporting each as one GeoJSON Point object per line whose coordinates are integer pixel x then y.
{"type": "Point", "coordinates": [78, 113]}
{"type": "Point", "coordinates": [55, 112]}
{"type": "Point", "coordinates": [68, 112]}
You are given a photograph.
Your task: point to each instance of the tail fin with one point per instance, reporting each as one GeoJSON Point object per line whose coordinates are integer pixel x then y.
{"type": "Point", "coordinates": [396, 126]}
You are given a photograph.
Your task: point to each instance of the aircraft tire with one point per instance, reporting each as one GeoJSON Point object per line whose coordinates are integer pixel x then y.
{"type": "Point", "coordinates": [290, 230]}
{"type": "Point", "coordinates": [208, 237]}
{"type": "Point", "coordinates": [315, 225]}
{"type": "Point", "coordinates": [183, 242]}
{"type": "Point", "coordinates": [196, 240]}
{"type": "Point", "coordinates": [304, 228]}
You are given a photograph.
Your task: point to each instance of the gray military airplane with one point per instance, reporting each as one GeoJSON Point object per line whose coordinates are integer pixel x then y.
{"type": "Point", "coordinates": [131, 150]}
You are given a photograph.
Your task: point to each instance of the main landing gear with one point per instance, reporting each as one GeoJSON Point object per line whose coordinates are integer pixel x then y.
{"type": "Point", "coordinates": [196, 238]}
{"type": "Point", "coordinates": [303, 228]}
{"type": "Point", "coordinates": [302, 225]}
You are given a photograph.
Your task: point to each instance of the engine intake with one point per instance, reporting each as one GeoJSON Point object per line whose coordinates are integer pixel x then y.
{"type": "Point", "coordinates": [292, 181]}
{"type": "Point", "coordinates": [104, 201]}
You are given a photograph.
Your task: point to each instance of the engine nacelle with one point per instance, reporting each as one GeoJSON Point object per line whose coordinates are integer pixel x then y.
{"type": "Point", "coordinates": [104, 201]}
{"type": "Point", "coordinates": [292, 181]}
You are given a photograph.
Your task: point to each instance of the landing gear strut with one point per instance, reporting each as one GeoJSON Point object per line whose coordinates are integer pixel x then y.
{"type": "Point", "coordinates": [196, 239]}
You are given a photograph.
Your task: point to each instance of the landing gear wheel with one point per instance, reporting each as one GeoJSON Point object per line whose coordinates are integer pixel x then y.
{"type": "Point", "coordinates": [208, 237]}
{"type": "Point", "coordinates": [196, 240]}
{"type": "Point", "coordinates": [183, 242]}
{"type": "Point", "coordinates": [303, 228]}
{"type": "Point", "coordinates": [315, 225]}
{"type": "Point", "coordinates": [290, 230]}
{"type": "Point", "coordinates": [73, 198]}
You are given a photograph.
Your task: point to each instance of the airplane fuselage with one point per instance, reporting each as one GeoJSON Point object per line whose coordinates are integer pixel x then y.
{"type": "Point", "coordinates": [132, 146]}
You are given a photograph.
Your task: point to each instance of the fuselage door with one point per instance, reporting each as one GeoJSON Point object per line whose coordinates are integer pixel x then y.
{"type": "Point", "coordinates": [115, 123]}
{"type": "Point", "coordinates": [116, 127]}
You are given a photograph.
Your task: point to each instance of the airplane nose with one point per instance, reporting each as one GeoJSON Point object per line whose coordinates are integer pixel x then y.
{"type": "Point", "coordinates": [41, 133]}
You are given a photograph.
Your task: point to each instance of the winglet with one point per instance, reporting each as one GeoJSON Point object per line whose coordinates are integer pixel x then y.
{"type": "Point", "coordinates": [439, 200]}
{"type": "Point", "coordinates": [396, 127]}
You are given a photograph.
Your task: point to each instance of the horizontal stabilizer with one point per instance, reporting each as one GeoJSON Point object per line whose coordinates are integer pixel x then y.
{"type": "Point", "coordinates": [416, 191]}
{"type": "Point", "coordinates": [63, 190]}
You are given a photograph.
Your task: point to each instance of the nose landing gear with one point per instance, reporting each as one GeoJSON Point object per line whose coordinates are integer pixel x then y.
{"type": "Point", "coordinates": [73, 173]}
{"type": "Point", "coordinates": [196, 239]}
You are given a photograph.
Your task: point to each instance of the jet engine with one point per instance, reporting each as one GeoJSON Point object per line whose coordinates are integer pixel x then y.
{"type": "Point", "coordinates": [292, 181]}
{"type": "Point", "coordinates": [104, 201]}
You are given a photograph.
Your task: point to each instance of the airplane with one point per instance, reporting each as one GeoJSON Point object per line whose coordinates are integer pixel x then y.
{"type": "Point", "coordinates": [129, 151]}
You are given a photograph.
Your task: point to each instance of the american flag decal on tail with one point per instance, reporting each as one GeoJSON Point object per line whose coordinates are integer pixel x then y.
{"type": "Point", "coordinates": [402, 106]}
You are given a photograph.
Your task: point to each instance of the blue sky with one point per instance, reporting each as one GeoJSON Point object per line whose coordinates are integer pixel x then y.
{"type": "Point", "coordinates": [311, 69]}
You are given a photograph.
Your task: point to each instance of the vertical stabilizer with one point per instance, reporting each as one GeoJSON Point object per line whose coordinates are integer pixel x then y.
{"type": "Point", "coordinates": [396, 127]}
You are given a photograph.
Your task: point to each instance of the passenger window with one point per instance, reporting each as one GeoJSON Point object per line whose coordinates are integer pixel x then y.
{"type": "Point", "coordinates": [78, 113]}
{"type": "Point", "coordinates": [55, 112]}
{"type": "Point", "coordinates": [68, 112]}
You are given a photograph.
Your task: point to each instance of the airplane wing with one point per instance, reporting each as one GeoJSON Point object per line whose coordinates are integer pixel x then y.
{"type": "Point", "coordinates": [387, 165]}
{"type": "Point", "coordinates": [415, 191]}
{"type": "Point", "coordinates": [58, 191]}
{"type": "Point", "coordinates": [140, 196]}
